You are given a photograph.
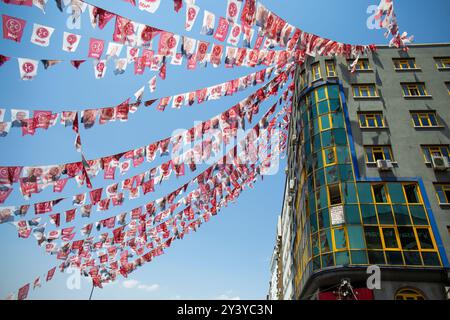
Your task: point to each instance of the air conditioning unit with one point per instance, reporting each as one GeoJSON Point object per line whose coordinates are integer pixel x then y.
{"type": "Point", "coordinates": [440, 163]}
{"type": "Point", "coordinates": [384, 165]}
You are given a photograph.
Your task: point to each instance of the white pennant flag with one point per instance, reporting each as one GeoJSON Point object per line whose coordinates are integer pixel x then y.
{"type": "Point", "coordinates": [28, 68]}
{"type": "Point", "coordinates": [149, 5]}
{"type": "Point", "coordinates": [99, 69]}
{"type": "Point", "coordinates": [233, 8]}
{"type": "Point", "coordinates": [40, 4]}
{"type": "Point", "coordinates": [41, 35]}
{"type": "Point", "coordinates": [71, 41]}
{"type": "Point", "coordinates": [235, 35]}
{"type": "Point", "coordinates": [114, 50]}
{"type": "Point", "coordinates": [191, 16]}
{"type": "Point", "coordinates": [152, 84]}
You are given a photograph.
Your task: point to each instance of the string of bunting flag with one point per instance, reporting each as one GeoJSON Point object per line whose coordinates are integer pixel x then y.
{"type": "Point", "coordinates": [120, 244]}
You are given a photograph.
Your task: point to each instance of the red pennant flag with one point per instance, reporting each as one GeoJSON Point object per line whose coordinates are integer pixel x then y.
{"type": "Point", "coordinates": [177, 5]}
{"type": "Point", "coordinates": [50, 274]}
{"type": "Point", "coordinates": [13, 28]}
{"type": "Point", "coordinates": [3, 59]}
{"type": "Point", "coordinates": [77, 63]}
{"type": "Point", "coordinates": [23, 292]}
{"type": "Point", "coordinates": [96, 195]}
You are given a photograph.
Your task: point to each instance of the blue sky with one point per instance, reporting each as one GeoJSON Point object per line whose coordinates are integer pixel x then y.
{"type": "Point", "coordinates": [229, 256]}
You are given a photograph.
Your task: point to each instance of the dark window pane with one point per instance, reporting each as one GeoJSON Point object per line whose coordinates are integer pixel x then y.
{"type": "Point", "coordinates": [390, 239]}
{"type": "Point", "coordinates": [430, 259]}
{"type": "Point", "coordinates": [373, 239]}
{"type": "Point", "coordinates": [379, 193]}
{"type": "Point", "coordinates": [368, 214]}
{"type": "Point", "coordinates": [407, 238]}
{"type": "Point", "coordinates": [394, 257]}
{"type": "Point", "coordinates": [411, 193]}
{"type": "Point", "coordinates": [376, 257]}
{"type": "Point", "coordinates": [424, 238]}
{"type": "Point", "coordinates": [412, 258]}
{"type": "Point", "coordinates": [385, 214]}
{"type": "Point", "coordinates": [334, 193]}
{"type": "Point", "coordinates": [324, 219]}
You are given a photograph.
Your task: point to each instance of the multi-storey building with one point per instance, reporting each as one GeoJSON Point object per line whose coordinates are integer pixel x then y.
{"type": "Point", "coordinates": [368, 178]}
{"type": "Point", "coordinates": [275, 285]}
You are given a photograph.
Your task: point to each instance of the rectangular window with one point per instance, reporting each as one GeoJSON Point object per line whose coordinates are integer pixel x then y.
{"type": "Point", "coordinates": [375, 153]}
{"type": "Point", "coordinates": [371, 120]}
{"type": "Point", "coordinates": [331, 68]}
{"type": "Point", "coordinates": [405, 64]}
{"type": "Point", "coordinates": [407, 238]}
{"type": "Point", "coordinates": [361, 65]}
{"type": "Point", "coordinates": [443, 193]}
{"type": "Point", "coordinates": [379, 193]}
{"type": "Point", "coordinates": [329, 156]}
{"type": "Point", "coordinates": [425, 119]}
{"type": "Point", "coordinates": [412, 193]}
{"type": "Point", "coordinates": [435, 151]}
{"type": "Point", "coordinates": [425, 239]}
{"type": "Point", "coordinates": [390, 238]}
{"type": "Point", "coordinates": [414, 90]}
{"type": "Point", "coordinates": [443, 63]}
{"type": "Point", "coordinates": [334, 194]}
{"type": "Point", "coordinates": [373, 239]}
{"type": "Point", "coordinates": [365, 91]}
{"type": "Point", "coordinates": [315, 70]}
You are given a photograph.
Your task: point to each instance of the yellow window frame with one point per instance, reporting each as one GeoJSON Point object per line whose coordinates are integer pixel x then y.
{"type": "Point", "coordinates": [445, 187]}
{"type": "Point", "coordinates": [333, 239]}
{"type": "Point", "coordinates": [397, 238]}
{"type": "Point", "coordinates": [404, 64]}
{"type": "Point", "coordinates": [373, 116]}
{"type": "Point", "coordinates": [421, 116]}
{"type": "Point", "coordinates": [378, 149]}
{"type": "Point", "coordinates": [324, 154]}
{"type": "Point", "coordinates": [419, 245]}
{"type": "Point", "coordinates": [328, 194]}
{"type": "Point", "coordinates": [433, 151]}
{"type": "Point", "coordinates": [362, 65]}
{"type": "Point", "coordinates": [360, 88]}
{"type": "Point", "coordinates": [441, 62]}
{"type": "Point", "coordinates": [411, 87]}
{"type": "Point", "coordinates": [316, 72]}
{"type": "Point", "coordinates": [409, 294]}
{"type": "Point", "coordinates": [328, 115]}
{"type": "Point", "coordinates": [331, 68]}
{"type": "Point", "coordinates": [419, 195]}
{"type": "Point", "coordinates": [388, 198]}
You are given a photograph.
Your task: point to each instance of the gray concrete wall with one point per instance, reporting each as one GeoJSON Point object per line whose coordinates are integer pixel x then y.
{"type": "Point", "coordinates": [405, 140]}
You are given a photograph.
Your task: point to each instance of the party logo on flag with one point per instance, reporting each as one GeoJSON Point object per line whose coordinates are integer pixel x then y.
{"type": "Point", "coordinates": [233, 8]}
{"type": "Point", "coordinates": [71, 41]}
{"type": "Point", "coordinates": [28, 68]}
{"type": "Point", "coordinates": [95, 48]}
{"type": "Point", "coordinates": [41, 35]}
{"type": "Point", "coordinates": [222, 29]}
{"type": "Point", "coordinates": [13, 28]}
{"type": "Point", "coordinates": [235, 34]}
{"type": "Point", "coordinates": [191, 16]}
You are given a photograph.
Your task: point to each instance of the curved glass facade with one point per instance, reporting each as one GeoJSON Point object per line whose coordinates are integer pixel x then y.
{"type": "Point", "coordinates": [339, 220]}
